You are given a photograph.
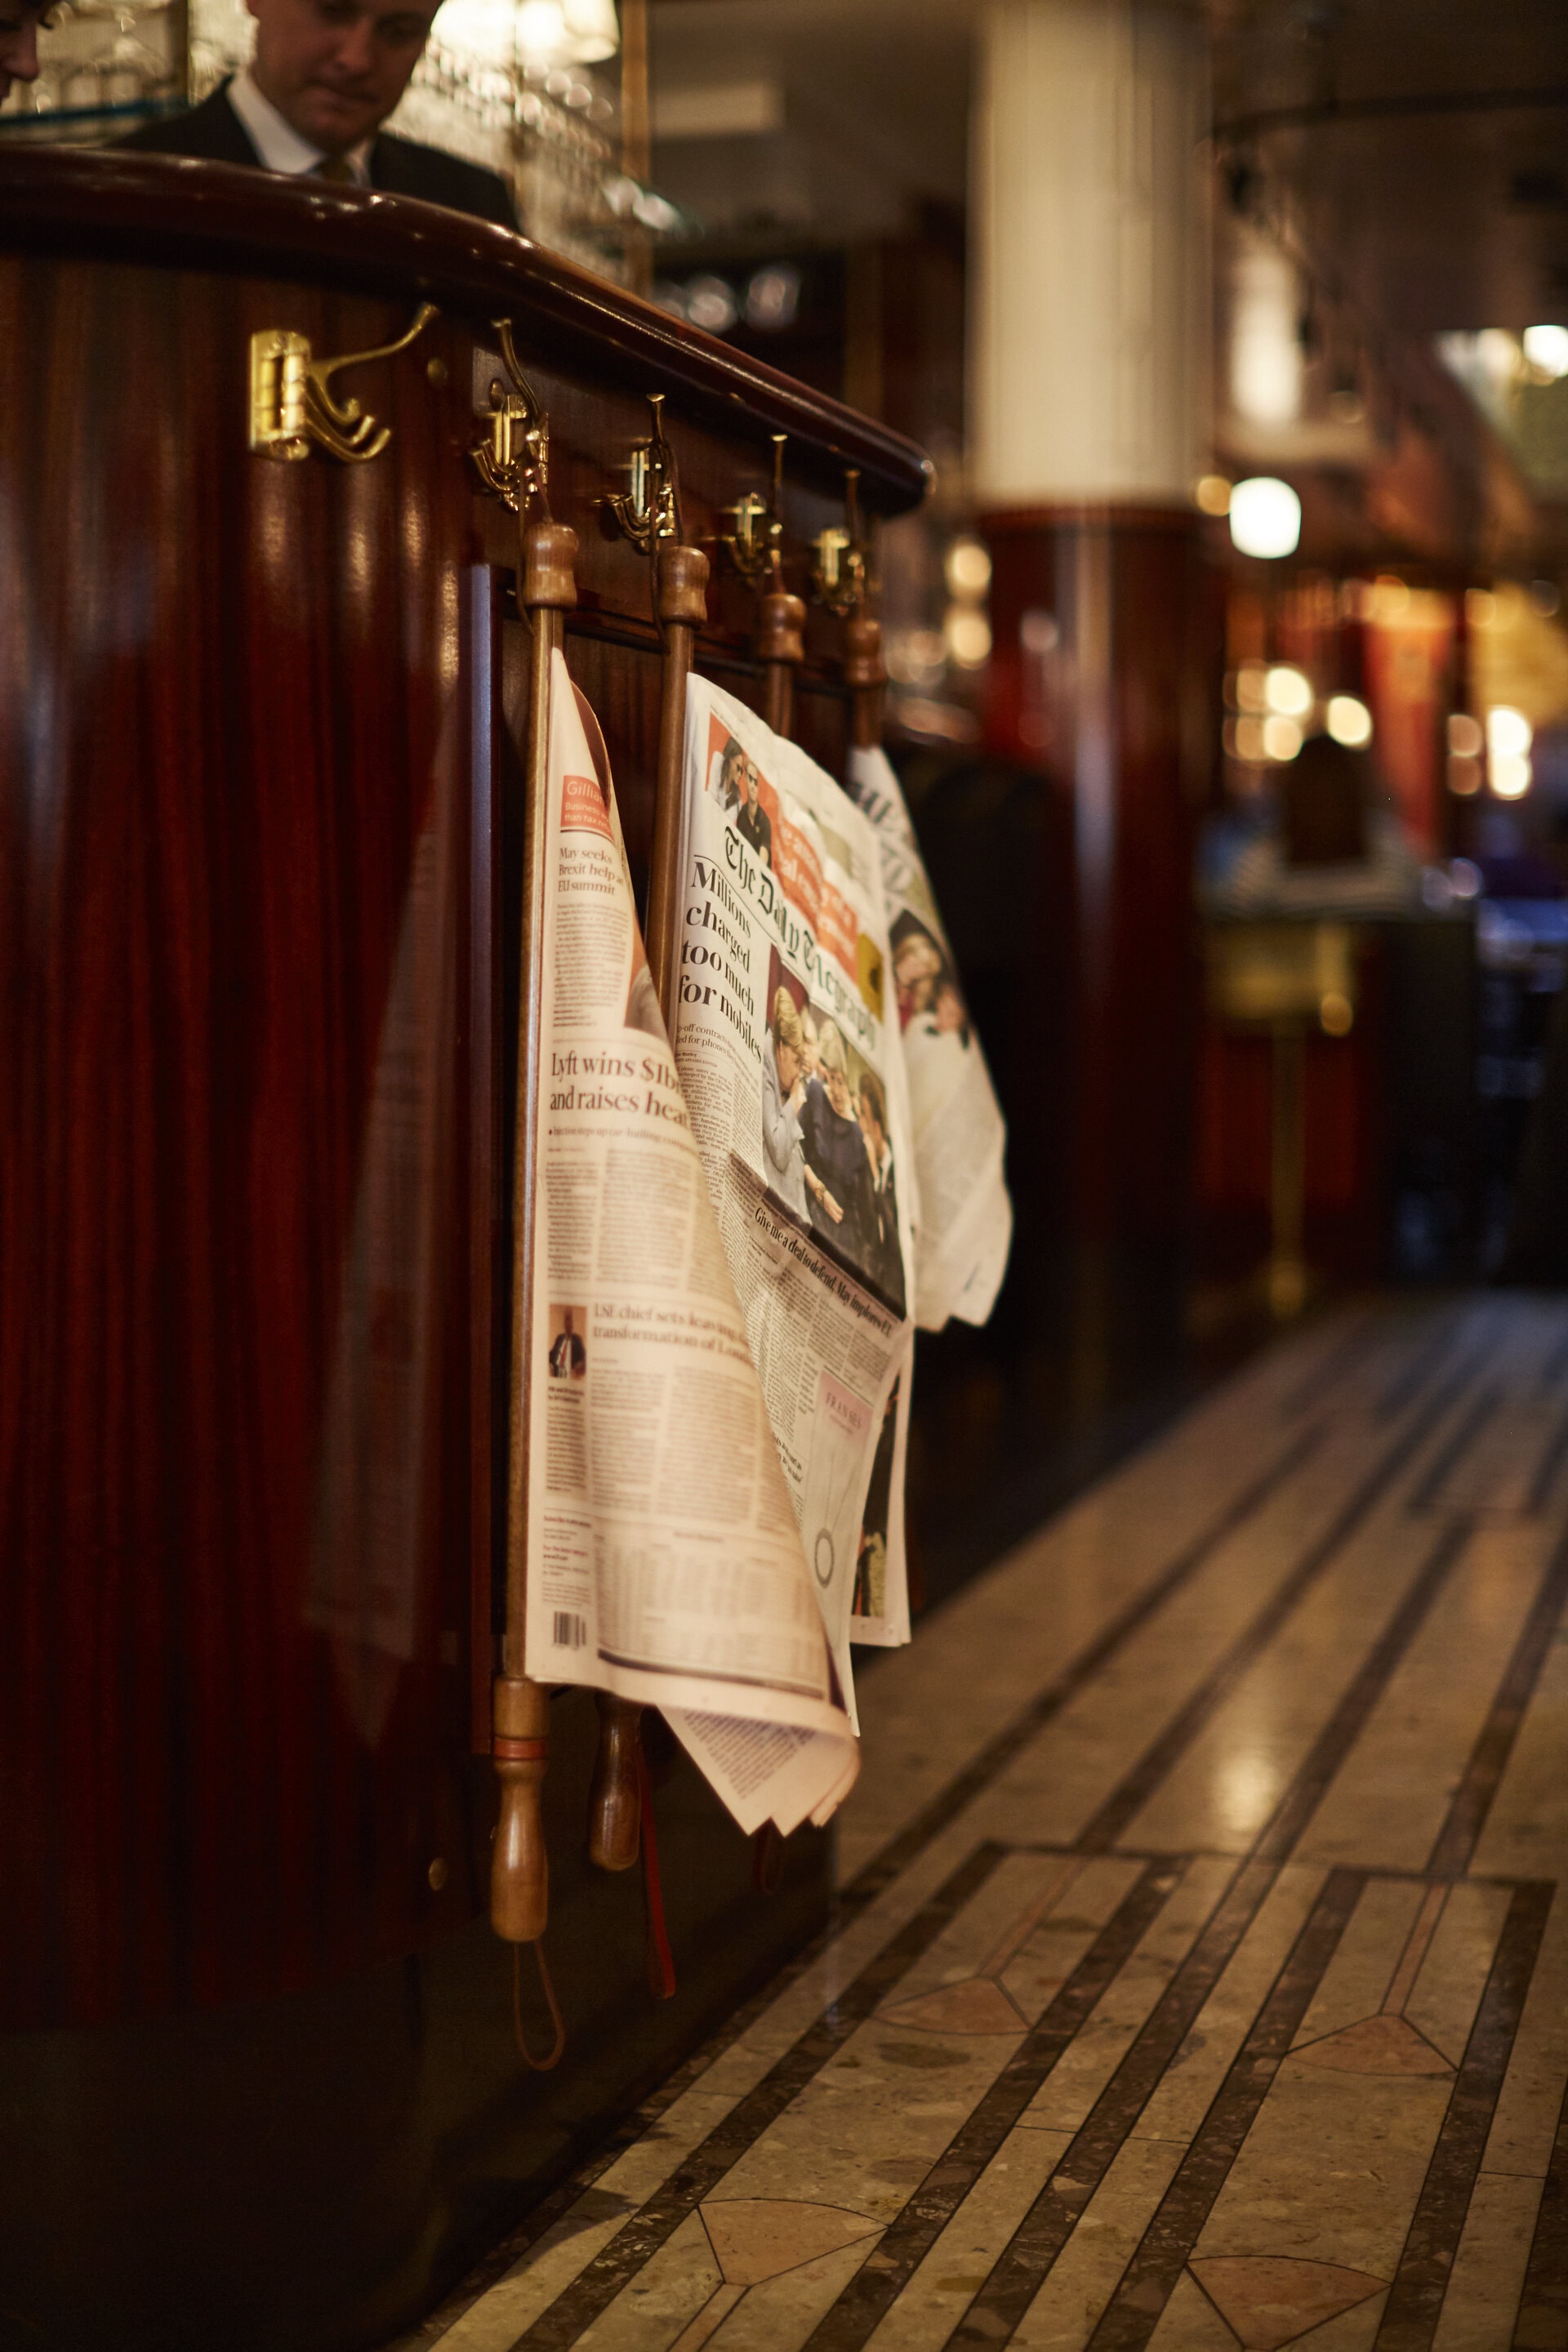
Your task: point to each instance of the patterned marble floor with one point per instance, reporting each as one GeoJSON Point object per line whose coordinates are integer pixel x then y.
{"type": "Point", "coordinates": [1199, 1978]}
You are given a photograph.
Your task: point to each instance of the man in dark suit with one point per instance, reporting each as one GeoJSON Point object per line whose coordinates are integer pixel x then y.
{"type": "Point", "coordinates": [325, 76]}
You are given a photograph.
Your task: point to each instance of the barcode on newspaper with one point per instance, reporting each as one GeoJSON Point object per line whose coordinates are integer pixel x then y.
{"type": "Point", "coordinates": [571, 1631]}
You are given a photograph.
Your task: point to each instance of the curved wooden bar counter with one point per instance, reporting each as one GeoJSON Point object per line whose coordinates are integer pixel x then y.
{"type": "Point", "coordinates": [256, 874]}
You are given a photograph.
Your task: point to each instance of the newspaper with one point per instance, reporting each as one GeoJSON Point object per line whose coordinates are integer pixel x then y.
{"type": "Point", "coordinates": [965, 1217]}
{"type": "Point", "coordinates": [664, 1562]}
{"type": "Point", "coordinates": [791, 1068]}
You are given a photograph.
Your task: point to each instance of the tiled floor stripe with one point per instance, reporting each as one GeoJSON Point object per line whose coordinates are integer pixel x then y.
{"type": "Point", "coordinates": [1415, 2299]}
{"type": "Point", "coordinates": [1438, 1379]}
{"type": "Point", "coordinates": [1133, 1792]}
{"type": "Point", "coordinates": [648, 2230]}
{"type": "Point", "coordinates": [1131, 2317]}
{"type": "Point", "coordinates": [1543, 2322]}
{"type": "Point", "coordinates": [994, 1759]}
{"type": "Point", "coordinates": [1472, 1800]}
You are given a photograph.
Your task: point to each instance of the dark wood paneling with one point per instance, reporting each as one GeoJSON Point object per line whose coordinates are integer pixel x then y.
{"type": "Point", "coordinates": [236, 797]}
{"type": "Point", "coordinates": [209, 216]}
{"type": "Point", "coordinates": [252, 1118]}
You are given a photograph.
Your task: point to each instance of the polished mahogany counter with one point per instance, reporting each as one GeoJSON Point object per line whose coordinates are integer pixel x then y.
{"type": "Point", "coordinates": [255, 883]}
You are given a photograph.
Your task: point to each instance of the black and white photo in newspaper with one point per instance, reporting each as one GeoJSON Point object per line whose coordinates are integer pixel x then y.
{"type": "Point", "coordinates": [664, 1562]}
{"type": "Point", "coordinates": [788, 1056]}
{"type": "Point", "coordinates": [965, 1226]}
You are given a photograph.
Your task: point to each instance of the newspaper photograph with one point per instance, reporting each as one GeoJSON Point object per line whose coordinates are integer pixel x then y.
{"type": "Point", "coordinates": [964, 1222]}
{"type": "Point", "coordinates": [665, 1559]}
{"type": "Point", "coordinates": [789, 1057]}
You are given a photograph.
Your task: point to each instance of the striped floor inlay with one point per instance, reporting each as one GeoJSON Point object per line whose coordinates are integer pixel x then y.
{"type": "Point", "coordinates": [1200, 1978]}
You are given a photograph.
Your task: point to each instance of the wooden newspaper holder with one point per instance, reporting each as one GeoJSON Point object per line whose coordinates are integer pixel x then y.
{"type": "Point", "coordinates": [841, 580]}
{"type": "Point", "coordinates": [755, 546]}
{"type": "Point", "coordinates": [267, 955]}
{"type": "Point", "coordinates": [649, 514]}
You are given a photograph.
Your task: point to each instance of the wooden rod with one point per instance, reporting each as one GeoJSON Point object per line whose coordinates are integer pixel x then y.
{"type": "Point", "coordinates": [680, 592]}
{"type": "Point", "coordinates": [520, 1886]}
{"type": "Point", "coordinates": [781, 647]}
{"type": "Point", "coordinates": [681, 575]}
{"type": "Point", "coordinates": [865, 677]}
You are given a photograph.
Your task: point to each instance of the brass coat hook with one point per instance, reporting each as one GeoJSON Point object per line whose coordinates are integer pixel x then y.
{"type": "Point", "coordinates": [755, 546]}
{"type": "Point", "coordinates": [513, 454]}
{"type": "Point", "coordinates": [292, 403]}
{"type": "Point", "coordinates": [649, 509]}
{"type": "Point", "coordinates": [839, 575]}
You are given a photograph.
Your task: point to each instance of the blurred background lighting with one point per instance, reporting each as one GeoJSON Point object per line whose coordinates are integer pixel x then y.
{"type": "Point", "coordinates": [1465, 735]}
{"type": "Point", "coordinates": [489, 29]}
{"type": "Point", "coordinates": [1249, 740]}
{"type": "Point", "coordinates": [967, 634]}
{"type": "Point", "coordinates": [541, 29]}
{"type": "Point", "coordinates": [773, 297]}
{"type": "Point", "coordinates": [1348, 720]}
{"type": "Point", "coordinates": [1265, 517]}
{"type": "Point", "coordinates": [1546, 348]}
{"type": "Point", "coordinates": [1510, 774]}
{"type": "Point", "coordinates": [1288, 691]}
{"type": "Point", "coordinates": [1251, 687]}
{"type": "Point", "coordinates": [1266, 356]}
{"type": "Point", "coordinates": [1464, 774]}
{"type": "Point", "coordinates": [710, 303]}
{"type": "Point", "coordinates": [1509, 732]}
{"type": "Point", "coordinates": [1212, 494]}
{"type": "Point", "coordinates": [1480, 607]}
{"type": "Point", "coordinates": [1281, 737]}
{"type": "Point", "coordinates": [967, 570]}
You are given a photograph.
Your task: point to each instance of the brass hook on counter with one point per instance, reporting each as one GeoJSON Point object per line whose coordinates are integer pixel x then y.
{"type": "Point", "coordinates": [513, 455]}
{"type": "Point", "coordinates": [841, 577]}
{"type": "Point", "coordinates": [839, 573]}
{"type": "Point", "coordinates": [755, 546]}
{"type": "Point", "coordinates": [292, 403]}
{"type": "Point", "coordinates": [756, 549]}
{"type": "Point", "coordinates": [649, 511]}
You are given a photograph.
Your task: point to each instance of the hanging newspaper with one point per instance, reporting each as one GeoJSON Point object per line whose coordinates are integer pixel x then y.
{"type": "Point", "coordinates": [791, 1071]}
{"type": "Point", "coordinates": [664, 1563]}
{"type": "Point", "coordinates": [965, 1217]}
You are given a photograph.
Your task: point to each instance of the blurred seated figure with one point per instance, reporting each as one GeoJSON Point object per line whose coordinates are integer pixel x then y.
{"type": "Point", "coordinates": [18, 43]}
{"type": "Point", "coordinates": [1324, 807]}
{"type": "Point", "coordinates": [1330, 846]}
{"type": "Point", "coordinates": [310, 104]}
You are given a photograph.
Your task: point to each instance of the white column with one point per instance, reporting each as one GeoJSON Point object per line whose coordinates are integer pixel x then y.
{"type": "Point", "coordinates": [1090, 267]}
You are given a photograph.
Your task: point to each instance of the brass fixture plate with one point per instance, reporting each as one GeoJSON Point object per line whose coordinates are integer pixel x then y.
{"type": "Point", "coordinates": [293, 407]}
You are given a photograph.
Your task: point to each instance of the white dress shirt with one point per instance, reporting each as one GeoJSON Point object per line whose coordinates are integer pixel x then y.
{"type": "Point", "coordinates": [278, 142]}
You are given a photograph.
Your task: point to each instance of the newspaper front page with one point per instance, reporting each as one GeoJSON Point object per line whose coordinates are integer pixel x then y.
{"type": "Point", "coordinates": [965, 1217]}
{"type": "Point", "coordinates": [789, 1062]}
{"type": "Point", "coordinates": [665, 1561]}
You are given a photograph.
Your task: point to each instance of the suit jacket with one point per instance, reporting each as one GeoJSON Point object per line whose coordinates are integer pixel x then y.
{"type": "Point", "coordinates": [400, 167]}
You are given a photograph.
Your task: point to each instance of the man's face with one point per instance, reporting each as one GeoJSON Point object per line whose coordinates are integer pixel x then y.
{"type": "Point", "coordinates": [335, 68]}
{"type": "Point", "coordinates": [18, 44]}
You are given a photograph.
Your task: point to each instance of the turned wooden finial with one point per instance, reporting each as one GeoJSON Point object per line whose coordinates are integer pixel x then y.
{"type": "Point", "coordinates": [520, 1745]}
{"type": "Point", "coordinates": [863, 667]}
{"type": "Point", "coordinates": [550, 567]}
{"type": "Point", "coordinates": [781, 621]}
{"type": "Point", "coordinates": [615, 1801]}
{"type": "Point", "coordinates": [682, 590]}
